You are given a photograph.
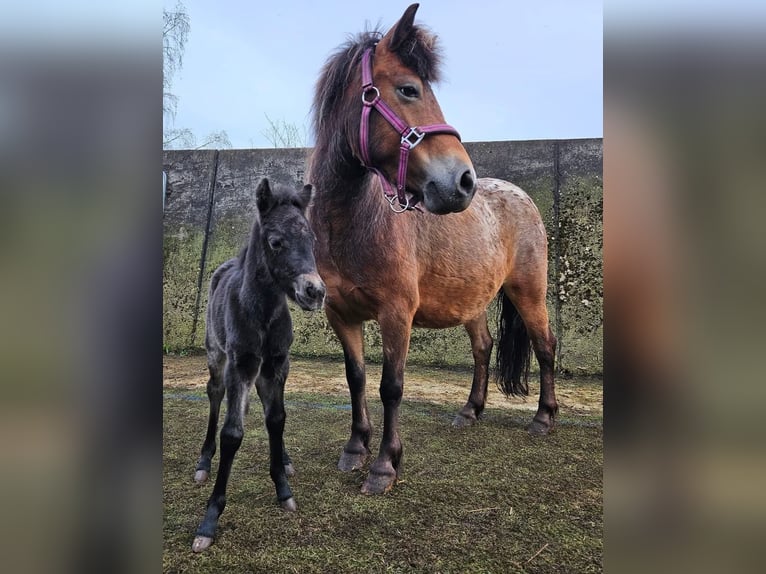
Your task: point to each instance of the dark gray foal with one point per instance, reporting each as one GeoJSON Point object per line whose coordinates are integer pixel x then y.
{"type": "Point", "coordinates": [248, 337]}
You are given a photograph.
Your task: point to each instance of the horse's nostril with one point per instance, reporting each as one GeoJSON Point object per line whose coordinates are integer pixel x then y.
{"type": "Point", "coordinates": [467, 183]}
{"type": "Point", "coordinates": [311, 290]}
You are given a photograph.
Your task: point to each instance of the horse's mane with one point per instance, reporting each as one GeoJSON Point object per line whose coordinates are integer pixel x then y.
{"type": "Point", "coordinates": [332, 109]}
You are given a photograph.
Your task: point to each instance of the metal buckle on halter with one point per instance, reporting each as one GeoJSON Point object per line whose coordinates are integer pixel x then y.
{"type": "Point", "coordinates": [413, 133]}
{"type": "Point", "coordinates": [374, 100]}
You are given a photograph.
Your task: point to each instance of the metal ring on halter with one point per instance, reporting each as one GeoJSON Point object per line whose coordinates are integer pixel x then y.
{"type": "Point", "coordinates": [374, 100]}
{"type": "Point", "coordinates": [393, 198]}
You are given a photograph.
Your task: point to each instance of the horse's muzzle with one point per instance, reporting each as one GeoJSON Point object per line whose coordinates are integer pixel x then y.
{"type": "Point", "coordinates": [309, 291]}
{"type": "Point", "coordinates": [450, 189]}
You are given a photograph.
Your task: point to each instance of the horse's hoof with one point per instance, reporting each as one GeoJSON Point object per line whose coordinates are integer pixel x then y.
{"type": "Point", "coordinates": [290, 469]}
{"type": "Point", "coordinates": [538, 428]}
{"type": "Point", "coordinates": [378, 483]}
{"type": "Point", "coordinates": [201, 543]}
{"type": "Point", "coordinates": [201, 476]}
{"type": "Point", "coordinates": [351, 461]}
{"type": "Point", "coordinates": [461, 421]}
{"type": "Point", "coordinates": [289, 505]}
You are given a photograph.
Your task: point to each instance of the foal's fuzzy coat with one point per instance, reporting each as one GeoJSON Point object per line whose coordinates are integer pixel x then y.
{"type": "Point", "coordinates": [248, 337]}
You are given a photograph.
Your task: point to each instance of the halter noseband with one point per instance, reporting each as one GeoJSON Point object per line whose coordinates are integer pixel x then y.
{"type": "Point", "coordinates": [410, 136]}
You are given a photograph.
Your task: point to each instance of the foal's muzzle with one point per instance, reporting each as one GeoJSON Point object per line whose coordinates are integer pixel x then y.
{"type": "Point", "coordinates": [309, 291]}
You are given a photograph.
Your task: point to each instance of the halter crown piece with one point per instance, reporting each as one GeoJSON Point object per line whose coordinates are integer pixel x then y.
{"type": "Point", "coordinates": [410, 136]}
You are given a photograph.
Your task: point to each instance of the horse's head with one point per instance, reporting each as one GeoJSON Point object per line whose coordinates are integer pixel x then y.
{"type": "Point", "coordinates": [437, 170]}
{"type": "Point", "coordinates": [288, 242]}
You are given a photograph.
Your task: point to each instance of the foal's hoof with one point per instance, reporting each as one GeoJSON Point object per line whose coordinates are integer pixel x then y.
{"type": "Point", "coordinates": [289, 505]}
{"type": "Point", "coordinates": [351, 461]}
{"type": "Point", "coordinates": [539, 428]}
{"type": "Point", "coordinates": [201, 476]}
{"type": "Point", "coordinates": [201, 543]}
{"type": "Point", "coordinates": [290, 469]}
{"type": "Point", "coordinates": [463, 421]}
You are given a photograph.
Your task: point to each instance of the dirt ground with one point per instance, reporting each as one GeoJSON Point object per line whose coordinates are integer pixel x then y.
{"type": "Point", "coordinates": [579, 395]}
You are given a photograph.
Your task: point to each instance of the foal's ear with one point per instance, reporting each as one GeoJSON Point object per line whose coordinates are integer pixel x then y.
{"type": "Point", "coordinates": [402, 29]}
{"type": "Point", "coordinates": [263, 195]}
{"type": "Point", "coordinates": [305, 195]}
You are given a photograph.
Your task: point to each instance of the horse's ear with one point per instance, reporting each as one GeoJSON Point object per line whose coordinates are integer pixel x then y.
{"type": "Point", "coordinates": [263, 195]}
{"type": "Point", "coordinates": [402, 29]}
{"type": "Point", "coordinates": [305, 195]}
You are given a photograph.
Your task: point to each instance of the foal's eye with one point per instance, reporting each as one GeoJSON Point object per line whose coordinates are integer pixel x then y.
{"type": "Point", "coordinates": [409, 92]}
{"type": "Point", "coordinates": [275, 243]}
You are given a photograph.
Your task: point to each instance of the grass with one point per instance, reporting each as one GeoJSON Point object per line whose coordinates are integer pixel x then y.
{"type": "Point", "coordinates": [485, 499]}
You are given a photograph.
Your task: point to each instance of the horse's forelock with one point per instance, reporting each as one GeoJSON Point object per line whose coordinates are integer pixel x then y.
{"type": "Point", "coordinates": [421, 52]}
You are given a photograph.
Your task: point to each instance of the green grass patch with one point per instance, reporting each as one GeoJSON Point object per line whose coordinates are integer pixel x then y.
{"type": "Point", "coordinates": [485, 499]}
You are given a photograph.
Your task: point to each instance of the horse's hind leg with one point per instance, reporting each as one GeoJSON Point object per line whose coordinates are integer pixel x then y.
{"type": "Point", "coordinates": [357, 449]}
{"type": "Point", "coordinates": [238, 373]}
{"type": "Point", "coordinates": [215, 392]}
{"type": "Point", "coordinates": [270, 385]}
{"type": "Point", "coordinates": [534, 313]}
{"type": "Point", "coordinates": [481, 346]}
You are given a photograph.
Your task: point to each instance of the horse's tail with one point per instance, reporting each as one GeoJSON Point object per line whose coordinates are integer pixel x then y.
{"type": "Point", "coordinates": [514, 350]}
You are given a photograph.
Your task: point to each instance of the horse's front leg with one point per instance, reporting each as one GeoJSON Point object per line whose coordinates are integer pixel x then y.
{"type": "Point", "coordinates": [270, 385]}
{"type": "Point", "coordinates": [357, 449]}
{"type": "Point", "coordinates": [395, 332]}
{"type": "Point", "coordinates": [238, 374]}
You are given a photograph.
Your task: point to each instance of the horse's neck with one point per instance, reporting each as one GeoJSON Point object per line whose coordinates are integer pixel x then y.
{"type": "Point", "coordinates": [361, 235]}
{"type": "Point", "coordinates": [353, 198]}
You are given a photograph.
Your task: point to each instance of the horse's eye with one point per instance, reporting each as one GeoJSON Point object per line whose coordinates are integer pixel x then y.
{"type": "Point", "coordinates": [275, 243]}
{"type": "Point", "coordinates": [409, 92]}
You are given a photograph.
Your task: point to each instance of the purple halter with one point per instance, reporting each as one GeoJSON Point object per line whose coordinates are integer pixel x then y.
{"type": "Point", "coordinates": [411, 136]}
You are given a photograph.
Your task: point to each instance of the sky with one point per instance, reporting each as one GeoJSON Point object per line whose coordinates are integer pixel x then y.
{"type": "Point", "coordinates": [513, 70]}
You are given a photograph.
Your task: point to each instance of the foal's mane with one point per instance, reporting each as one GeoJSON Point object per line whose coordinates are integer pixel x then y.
{"type": "Point", "coordinates": [336, 97]}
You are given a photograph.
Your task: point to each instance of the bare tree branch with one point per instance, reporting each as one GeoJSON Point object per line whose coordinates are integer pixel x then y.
{"type": "Point", "coordinates": [175, 33]}
{"type": "Point", "coordinates": [282, 134]}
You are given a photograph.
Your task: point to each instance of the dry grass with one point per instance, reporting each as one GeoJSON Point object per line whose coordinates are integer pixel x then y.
{"type": "Point", "coordinates": [485, 499]}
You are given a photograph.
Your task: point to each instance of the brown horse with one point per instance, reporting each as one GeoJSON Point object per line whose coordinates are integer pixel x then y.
{"type": "Point", "coordinates": [383, 260]}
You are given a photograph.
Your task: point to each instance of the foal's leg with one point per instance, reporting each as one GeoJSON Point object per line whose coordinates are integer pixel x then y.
{"type": "Point", "coordinates": [357, 449]}
{"type": "Point", "coordinates": [395, 331]}
{"type": "Point", "coordinates": [481, 346]}
{"type": "Point", "coordinates": [270, 385]}
{"type": "Point", "coordinates": [533, 311]}
{"type": "Point", "coordinates": [238, 374]}
{"type": "Point", "coordinates": [215, 392]}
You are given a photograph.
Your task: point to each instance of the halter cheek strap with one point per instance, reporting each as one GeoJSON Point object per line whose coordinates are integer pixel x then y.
{"type": "Point", "coordinates": [410, 136]}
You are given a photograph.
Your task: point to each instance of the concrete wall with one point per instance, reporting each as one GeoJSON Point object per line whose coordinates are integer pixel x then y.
{"type": "Point", "coordinates": [209, 204]}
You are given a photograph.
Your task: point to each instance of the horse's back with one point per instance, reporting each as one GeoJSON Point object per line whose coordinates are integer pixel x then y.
{"type": "Point", "coordinates": [512, 214]}
{"type": "Point", "coordinates": [508, 200]}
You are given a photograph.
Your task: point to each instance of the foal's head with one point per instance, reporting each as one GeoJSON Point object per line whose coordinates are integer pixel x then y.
{"type": "Point", "coordinates": [288, 242]}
